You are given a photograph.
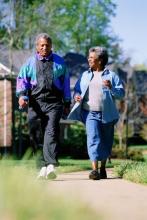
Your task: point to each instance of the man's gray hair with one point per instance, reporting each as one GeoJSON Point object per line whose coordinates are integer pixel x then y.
{"type": "Point", "coordinates": [101, 53]}
{"type": "Point", "coordinates": [45, 36]}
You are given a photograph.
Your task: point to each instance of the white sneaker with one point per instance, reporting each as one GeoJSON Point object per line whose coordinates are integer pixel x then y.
{"type": "Point", "coordinates": [42, 173]}
{"type": "Point", "coordinates": [50, 172]}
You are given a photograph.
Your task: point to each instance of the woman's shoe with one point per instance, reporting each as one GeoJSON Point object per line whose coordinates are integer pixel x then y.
{"type": "Point", "coordinates": [103, 173]}
{"type": "Point", "coordinates": [94, 175]}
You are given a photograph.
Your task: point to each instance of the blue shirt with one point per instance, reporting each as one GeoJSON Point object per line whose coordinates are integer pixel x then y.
{"type": "Point", "coordinates": [109, 110]}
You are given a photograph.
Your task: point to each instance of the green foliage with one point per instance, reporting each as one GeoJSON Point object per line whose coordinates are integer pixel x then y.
{"type": "Point", "coordinates": [75, 145]}
{"type": "Point", "coordinates": [21, 134]}
{"type": "Point", "coordinates": [74, 25]}
{"type": "Point", "coordinates": [121, 169]}
{"type": "Point", "coordinates": [135, 155]}
{"type": "Point", "coordinates": [132, 154]}
{"type": "Point", "coordinates": [21, 124]}
{"type": "Point", "coordinates": [90, 20]}
{"type": "Point", "coordinates": [3, 32]}
{"type": "Point", "coordinates": [143, 132]}
{"type": "Point", "coordinates": [133, 171]}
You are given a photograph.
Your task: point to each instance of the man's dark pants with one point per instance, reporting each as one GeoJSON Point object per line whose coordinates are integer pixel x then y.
{"type": "Point", "coordinates": [49, 115]}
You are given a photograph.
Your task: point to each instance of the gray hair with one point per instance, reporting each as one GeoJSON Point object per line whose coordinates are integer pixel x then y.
{"type": "Point", "coordinates": [101, 53]}
{"type": "Point", "coordinates": [45, 36]}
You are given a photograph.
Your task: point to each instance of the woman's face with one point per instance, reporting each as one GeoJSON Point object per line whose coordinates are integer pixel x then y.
{"type": "Point", "coordinates": [93, 61]}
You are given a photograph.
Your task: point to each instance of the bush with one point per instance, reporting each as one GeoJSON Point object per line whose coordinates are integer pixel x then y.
{"type": "Point", "coordinates": [132, 154]}
{"type": "Point", "coordinates": [75, 146]}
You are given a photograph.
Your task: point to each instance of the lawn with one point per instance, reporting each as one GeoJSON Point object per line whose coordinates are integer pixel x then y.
{"type": "Point", "coordinates": [65, 164]}
{"type": "Point", "coordinates": [133, 171]}
{"type": "Point", "coordinates": [23, 197]}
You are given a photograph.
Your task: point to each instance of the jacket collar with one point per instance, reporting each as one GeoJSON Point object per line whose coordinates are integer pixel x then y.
{"type": "Point", "coordinates": [47, 58]}
{"type": "Point", "coordinates": [105, 71]}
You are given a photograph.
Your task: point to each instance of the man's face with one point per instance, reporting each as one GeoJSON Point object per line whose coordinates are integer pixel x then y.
{"type": "Point", "coordinates": [43, 47]}
{"type": "Point", "coordinates": [93, 61]}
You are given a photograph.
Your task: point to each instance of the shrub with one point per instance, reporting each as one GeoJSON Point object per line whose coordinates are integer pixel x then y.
{"type": "Point", "coordinates": [132, 154]}
{"type": "Point", "coordinates": [75, 145]}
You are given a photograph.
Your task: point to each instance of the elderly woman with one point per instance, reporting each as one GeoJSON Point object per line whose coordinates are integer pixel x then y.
{"type": "Point", "coordinates": [95, 93]}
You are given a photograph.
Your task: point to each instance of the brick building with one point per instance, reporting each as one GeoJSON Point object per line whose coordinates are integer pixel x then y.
{"type": "Point", "coordinates": [8, 103]}
{"type": "Point", "coordinates": [5, 107]}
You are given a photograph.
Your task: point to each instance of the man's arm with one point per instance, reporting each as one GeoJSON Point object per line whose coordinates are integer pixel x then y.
{"type": "Point", "coordinates": [22, 87]}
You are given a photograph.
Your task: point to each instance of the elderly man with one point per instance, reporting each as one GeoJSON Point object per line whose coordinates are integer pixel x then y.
{"type": "Point", "coordinates": [44, 85]}
{"type": "Point", "coordinates": [95, 93]}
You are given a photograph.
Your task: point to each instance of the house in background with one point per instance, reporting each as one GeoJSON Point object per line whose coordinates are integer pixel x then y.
{"type": "Point", "coordinates": [9, 67]}
{"type": "Point", "coordinates": [5, 107]}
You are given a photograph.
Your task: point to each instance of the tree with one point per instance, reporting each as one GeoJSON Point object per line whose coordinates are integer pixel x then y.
{"type": "Point", "coordinates": [74, 25]}
{"type": "Point", "coordinates": [82, 24]}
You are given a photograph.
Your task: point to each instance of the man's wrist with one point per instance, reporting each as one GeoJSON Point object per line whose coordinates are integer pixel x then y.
{"type": "Point", "coordinates": [67, 104]}
{"type": "Point", "coordinates": [24, 97]}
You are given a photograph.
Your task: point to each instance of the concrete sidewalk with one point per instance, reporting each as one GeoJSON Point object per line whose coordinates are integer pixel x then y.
{"type": "Point", "coordinates": [114, 198]}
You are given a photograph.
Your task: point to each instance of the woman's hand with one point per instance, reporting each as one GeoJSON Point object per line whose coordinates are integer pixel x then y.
{"type": "Point", "coordinates": [107, 83]}
{"type": "Point", "coordinates": [77, 98]}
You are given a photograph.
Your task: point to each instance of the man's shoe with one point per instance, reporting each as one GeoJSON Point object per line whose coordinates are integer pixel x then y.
{"type": "Point", "coordinates": [94, 175]}
{"type": "Point", "coordinates": [103, 173]}
{"type": "Point", "coordinates": [42, 173]}
{"type": "Point", "coordinates": [50, 172]}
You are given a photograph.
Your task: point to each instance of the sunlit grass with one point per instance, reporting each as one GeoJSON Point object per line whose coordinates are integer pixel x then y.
{"type": "Point", "coordinates": [133, 171]}
{"type": "Point", "coordinates": [22, 197]}
{"type": "Point", "coordinates": [65, 164]}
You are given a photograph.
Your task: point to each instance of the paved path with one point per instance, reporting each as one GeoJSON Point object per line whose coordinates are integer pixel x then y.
{"type": "Point", "coordinates": [115, 198]}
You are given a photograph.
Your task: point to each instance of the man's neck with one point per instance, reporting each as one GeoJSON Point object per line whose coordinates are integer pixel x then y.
{"type": "Point", "coordinates": [48, 57]}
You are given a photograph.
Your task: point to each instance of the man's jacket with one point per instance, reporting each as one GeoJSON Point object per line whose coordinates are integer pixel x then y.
{"type": "Point", "coordinates": [109, 110]}
{"type": "Point", "coordinates": [27, 77]}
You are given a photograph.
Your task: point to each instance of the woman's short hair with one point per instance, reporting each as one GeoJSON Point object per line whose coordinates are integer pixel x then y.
{"type": "Point", "coordinates": [101, 53]}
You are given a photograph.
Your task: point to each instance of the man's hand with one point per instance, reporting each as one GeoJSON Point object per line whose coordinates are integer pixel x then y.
{"type": "Point", "coordinates": [23, 101]}
{"type": "Point", "coordinates": [107, 83]}
{"type": "Point", "coordinates": [66, 111]}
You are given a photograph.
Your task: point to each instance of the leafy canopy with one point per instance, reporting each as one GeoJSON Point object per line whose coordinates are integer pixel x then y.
{"type": "Point", "coordinates": [73, 25]}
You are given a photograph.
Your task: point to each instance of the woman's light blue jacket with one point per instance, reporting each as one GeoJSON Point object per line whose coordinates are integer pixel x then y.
{"type": "Point", "coordinates": [109, 110]}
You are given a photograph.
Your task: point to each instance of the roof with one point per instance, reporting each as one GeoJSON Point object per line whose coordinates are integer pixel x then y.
{"type": "Point", "coordinates": [76, 63]}
{"type": "Point", "coordinates": [18, 58]}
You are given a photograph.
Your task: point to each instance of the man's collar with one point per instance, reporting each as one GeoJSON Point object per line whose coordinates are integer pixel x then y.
{"type": "Point", "coordinates": [47, 58]}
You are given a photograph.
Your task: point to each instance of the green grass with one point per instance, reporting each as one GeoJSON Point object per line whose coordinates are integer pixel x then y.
{"type": "Point", "coordinates": [145, 157]}
{"type": "Point", "coordinates": [71, 165]}
{"type": "Point", "coordinates": [66, 165]}
{"type": "Point", "coordinates": [22, 197]}
{"type": "Point", "coordinates": [142, 148]}
{"type": "Point", "coordinates": [138, 147]}
{"type": "Point", "coordinates": [133, 171]}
